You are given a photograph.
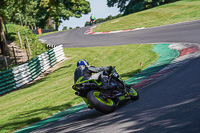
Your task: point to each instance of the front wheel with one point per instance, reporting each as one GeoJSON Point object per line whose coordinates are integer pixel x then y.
{"type": "Point", "coordinates": [133, 94]}
{"type": "Point", "coordinates": [103, 105]}
{"type": "Point", "coordinates": [91, 23]}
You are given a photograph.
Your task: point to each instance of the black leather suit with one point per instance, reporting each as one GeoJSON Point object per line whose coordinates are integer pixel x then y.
{"type": "Point", "coordinates": [86, 72]}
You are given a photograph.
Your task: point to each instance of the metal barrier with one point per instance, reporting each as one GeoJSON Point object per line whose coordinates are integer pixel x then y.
{"type": "Point", "coordinates": [25, 73]}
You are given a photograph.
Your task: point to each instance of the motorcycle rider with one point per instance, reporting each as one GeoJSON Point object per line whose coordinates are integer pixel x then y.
{"type": "Point", "coordinates": [84, 72]}
{"type": "Point", "coordinates": [92, 19]}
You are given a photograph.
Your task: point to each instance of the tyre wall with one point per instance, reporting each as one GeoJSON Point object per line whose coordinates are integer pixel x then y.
{"type": "Point", "coordinates": [25, 73]}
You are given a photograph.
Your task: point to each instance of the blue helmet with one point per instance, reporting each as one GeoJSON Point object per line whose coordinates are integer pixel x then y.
{"type": "Point", "coordinates": [82, 62]}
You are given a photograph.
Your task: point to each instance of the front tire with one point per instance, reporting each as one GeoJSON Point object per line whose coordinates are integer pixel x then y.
{"type": "Point", "coordinates": [103, 105]}
{"type": "Point", "coordinates": [91, 23]}
{"type": "Point", "coordinates": [133, 94]}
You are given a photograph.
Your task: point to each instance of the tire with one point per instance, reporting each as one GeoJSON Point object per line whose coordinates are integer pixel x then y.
{"type": "Point", "coordinates": [104, 106]}
{"type": "Point", "coordinates": [133, 94]}
{"type": "Point", "coordinates": [91, 23]}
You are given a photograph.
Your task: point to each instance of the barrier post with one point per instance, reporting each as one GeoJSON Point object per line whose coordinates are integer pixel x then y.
{"type": "Point", "coordinates": [20, 40]}
{"type": "Point", "coordinates": [14, 55]}
{"type": "Point", "coordinates": [28, 46]}
{"type": "Point", "coordinates": [26, 50]}
{"type": "Point", "coordinates": [40, 31]}
{"type": "Point", "coordinates": [6, 62]}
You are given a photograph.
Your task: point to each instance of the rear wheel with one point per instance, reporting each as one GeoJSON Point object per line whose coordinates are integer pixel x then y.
{"type": "Point", "coordinates": [103, 105]}
{"type": "Point", "coordinates": [133, 94]}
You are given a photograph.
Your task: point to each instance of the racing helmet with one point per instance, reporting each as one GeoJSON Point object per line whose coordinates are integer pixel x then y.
{"type": "Point", "coordinates": [82, 62]}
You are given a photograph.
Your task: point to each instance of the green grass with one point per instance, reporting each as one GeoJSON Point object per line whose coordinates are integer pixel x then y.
{"type": "Point", "coordinates": [54, 93]}
{"type": "Point", "coordinates": [183, 10]}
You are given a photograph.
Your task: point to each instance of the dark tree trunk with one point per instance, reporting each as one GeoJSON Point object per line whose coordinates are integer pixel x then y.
{"type": "Point", "coordinates": [6, 29]}
{"type": "Point", "coordinates": [57, 25]}
{"type": "Point", "coordinates": [4, 47]}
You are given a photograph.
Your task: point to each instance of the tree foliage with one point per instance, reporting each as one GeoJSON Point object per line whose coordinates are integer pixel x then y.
{"type": "Point", "coordinates": [64, 28]}
{"type": "Point", "coordinates": [101, 20]}
{"type": "Point", "coordinates": [64, 9]}
{"type": "Point", "coordinates": [131, 6]}
{"type": "Point", "coordinates": [42, 12]}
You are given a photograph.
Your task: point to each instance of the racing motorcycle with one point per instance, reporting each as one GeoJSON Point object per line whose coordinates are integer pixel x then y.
{"type": "Point", "coordinates": [105, 100]}
{"type": "Point", "coordinates": [92, 22]}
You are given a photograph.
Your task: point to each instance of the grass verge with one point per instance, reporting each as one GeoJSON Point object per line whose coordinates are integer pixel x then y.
{"type": "Point", "coordinates": [54, 93]}
{"type": "Point", "coordinates": [183, 10]}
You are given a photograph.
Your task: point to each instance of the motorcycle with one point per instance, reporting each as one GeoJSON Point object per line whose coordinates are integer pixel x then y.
{"type": "Point", "coordinates": [105, 100]}
{"type": "Point", "coordinates": [92, 22]}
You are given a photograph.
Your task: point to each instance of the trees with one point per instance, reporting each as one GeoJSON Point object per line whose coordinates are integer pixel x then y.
{"type": "Point", "coordinates": [134, 6]}
{"type": "Point", "coordinates": [3, 43]}
{"type": "Point", "coordinates": [39, 12]}
{"type": "Point", "coordinates": [64, 9]}
{"type": "Point", "coordinates": [128, 6]}
{"type": "Point", "coordinates": [101, 20]}
{"type": "Point", "coordinates": [10, 8]}
{"type": "Point", "coordinates": [131, 6]}
{"type": "Point", "coordinates": [121, 4]}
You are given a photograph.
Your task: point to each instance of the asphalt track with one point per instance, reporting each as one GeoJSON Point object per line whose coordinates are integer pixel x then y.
{"type": "Point", "coordinates": [182, 32]}
{"type": "Point", "coordinates": [169, 105]}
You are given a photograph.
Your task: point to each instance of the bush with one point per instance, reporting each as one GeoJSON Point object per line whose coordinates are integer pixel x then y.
{"type": "Point", "coordinates": [64, 28]}
{"type": "Point", "coordinates": [101, 20]}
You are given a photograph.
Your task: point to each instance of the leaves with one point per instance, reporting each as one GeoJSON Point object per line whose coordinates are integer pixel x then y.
{"type": "Point", "coordinates": [64, 9]}
{"type": "Point", "coordinates": [131, 6]}
{"type": "Point", "coordinates": [38, 12]}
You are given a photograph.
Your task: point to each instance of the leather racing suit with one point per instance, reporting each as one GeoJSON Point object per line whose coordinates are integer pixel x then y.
{"type": "Point", "coordinates": [85, 72]}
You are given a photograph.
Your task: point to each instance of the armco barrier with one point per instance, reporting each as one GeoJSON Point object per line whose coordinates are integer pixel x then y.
{"type": "Point", "coordinates": [20, 75]}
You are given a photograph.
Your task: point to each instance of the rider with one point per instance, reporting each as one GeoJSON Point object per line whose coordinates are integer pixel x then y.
{"type": "Point", "coordinates": [92, 18]}
{"type": "Point", "coordinates": [84, 72]}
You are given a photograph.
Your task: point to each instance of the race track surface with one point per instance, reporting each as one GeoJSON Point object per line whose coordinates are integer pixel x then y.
{"type": "Point", "coordinates": [171, 105]}
{"type": "Point", "coordinates": [183, 32]}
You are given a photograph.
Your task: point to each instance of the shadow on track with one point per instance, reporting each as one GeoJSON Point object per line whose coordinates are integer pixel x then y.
{"type": "Point", "coordinates": [166, 118]}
